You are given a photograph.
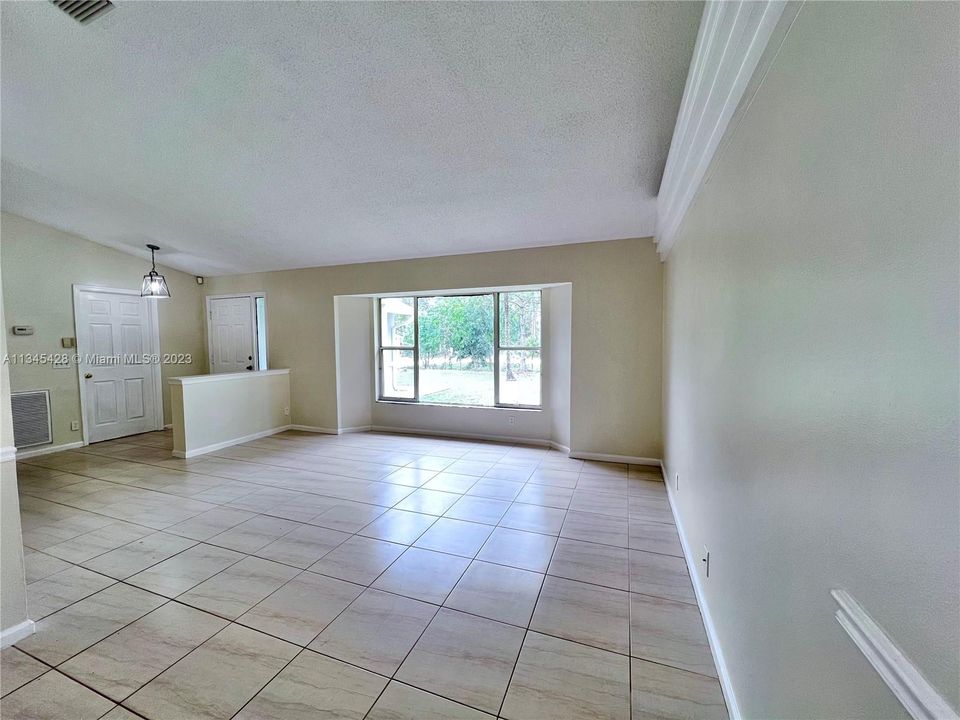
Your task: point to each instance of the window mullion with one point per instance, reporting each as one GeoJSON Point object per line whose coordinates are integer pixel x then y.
{"type": "Point", "coordinates": [496, 348]}
{"type": "Point", "coordinates": [416, 349]}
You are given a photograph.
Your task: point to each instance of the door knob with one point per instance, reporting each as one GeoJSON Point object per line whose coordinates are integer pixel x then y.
{"type": "Point", "coordinates": [88, 375]}
{"type": "Point", "coordinates": [249, 367]}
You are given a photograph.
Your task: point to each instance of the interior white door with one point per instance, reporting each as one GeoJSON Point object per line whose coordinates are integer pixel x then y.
{"type": "Point", "coordinates": [115, 333]}
{"type": "Point", "coordinates": [232, 335]}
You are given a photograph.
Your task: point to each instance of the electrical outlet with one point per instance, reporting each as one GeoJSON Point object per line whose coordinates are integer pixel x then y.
{"type": "Point", "coordinates": [286, 411]}
{"type": "Point", "coordinates": [75, 425]}
{"type": "Point", "coordinates": [706, 560]}
{"type": "Point", "coordinates": [511, 420]}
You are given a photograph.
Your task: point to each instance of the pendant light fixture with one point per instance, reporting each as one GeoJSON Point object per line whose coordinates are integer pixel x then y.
{"type": "Point", "coordinates": [154, 284]}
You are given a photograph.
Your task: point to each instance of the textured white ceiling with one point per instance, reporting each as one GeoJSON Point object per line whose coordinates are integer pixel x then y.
{"type": "Point", "coordinates": [248, 136]}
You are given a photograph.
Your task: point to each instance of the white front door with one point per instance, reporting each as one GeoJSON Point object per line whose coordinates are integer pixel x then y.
{"type": "Point", "coordinates": [232, 334]}
{"type": "Point", "coordinates": [116, 337]}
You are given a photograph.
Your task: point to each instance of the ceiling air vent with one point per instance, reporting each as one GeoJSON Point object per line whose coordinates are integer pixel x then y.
{"type": "Point", "coordinates": [84, 11]}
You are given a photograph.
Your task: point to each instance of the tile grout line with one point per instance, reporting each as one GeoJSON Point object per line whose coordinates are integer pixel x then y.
{"type": "Point", "coordinates": [546, 573]}
{"type": "Point", "coordinates": [306, 647]}
{"type": "Point", "coordinates": [56, 669]}
{"type": "Point", "coordinates": [471, 559]}
{"type": "Point", "coordinates": [236, 621]}
{"type": "Point", "coordinates": [526, 630]}
{"type": "Point", "coordinates": [351, 536]}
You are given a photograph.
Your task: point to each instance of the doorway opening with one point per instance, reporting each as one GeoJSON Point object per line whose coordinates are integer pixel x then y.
{"type": "Point", "coordinates": [117, 336]}
{"type": "Point", "coordinates": [237, 332]}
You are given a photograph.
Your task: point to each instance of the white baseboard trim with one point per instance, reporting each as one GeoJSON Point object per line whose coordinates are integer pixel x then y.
{"type": "Point", "coordinates": [357, 429]}
{"type": "Point", "coordinates": [693, 566]}
{"type": "Point", "coordinates": [462, 436]}
{"type": "Point", "coordinates": [331, 431]}
{"type": "Point", "coordinates": [905, 681]}
{"type": "Point", "coordinates": [626, 459]}
{"type": "Point", "coordinates": [228, 443]}
{"type": "Point", "coordinates": [8, 453]}
{"type": "Point", "coordinates": [314, 429]}
{"type": "Point", "coordinates": [16, 633]}
{"type": "Point", "coordinates": [47, 450]}
{"type": "Point", "coordinates": [535, 442]}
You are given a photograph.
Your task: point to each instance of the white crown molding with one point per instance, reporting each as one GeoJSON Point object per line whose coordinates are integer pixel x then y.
{"type": "Point", "coordinates": [914, 692]}
{"type": "Point", "coordinates": [729, 62]}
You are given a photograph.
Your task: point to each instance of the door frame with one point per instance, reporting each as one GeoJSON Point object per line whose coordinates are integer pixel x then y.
{"type": "Point", "coordinates": [207, 317]}
{"type": "Point", "coordinates": [153, 332]}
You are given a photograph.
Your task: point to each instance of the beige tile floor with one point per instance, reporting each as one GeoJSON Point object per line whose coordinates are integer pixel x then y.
{"type": "Point", "coordinates": [362, 576]}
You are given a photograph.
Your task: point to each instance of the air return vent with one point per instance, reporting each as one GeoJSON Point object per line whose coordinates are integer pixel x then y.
{"type": "Point", "coordinates": [84, 11]}
{"type": "Point", "coordinates": [31, 418]}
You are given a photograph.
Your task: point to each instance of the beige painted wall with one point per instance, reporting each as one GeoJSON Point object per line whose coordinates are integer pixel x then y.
{"type": "Point", "coordinates": [13, 588]}
{"type": "Point", "coordinates": [558, 305]}
{"type": "Point", "coordinates": [354, 337]}
{"type": "Point", "coordinates": [811, 347]}
{"type": "Point", "coordinates": [40, 265]}
{"type": "Point", "coordinates": [615, 329]}
{"type": "Point", "coordinates": [219, 410]}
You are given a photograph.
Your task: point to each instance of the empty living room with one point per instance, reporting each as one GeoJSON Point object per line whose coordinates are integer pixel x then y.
{"type": "Point", "coordinates": [479, 360]}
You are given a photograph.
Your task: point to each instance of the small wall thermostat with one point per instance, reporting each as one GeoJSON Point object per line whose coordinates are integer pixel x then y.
{"type": "Point", "coordinates": [23, 329]}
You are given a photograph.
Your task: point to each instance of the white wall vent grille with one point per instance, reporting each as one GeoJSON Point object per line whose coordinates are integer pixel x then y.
{"type": "Point", "coordinates": [84, 11]}
{"type": "Point", "coordinates": [31, 418]}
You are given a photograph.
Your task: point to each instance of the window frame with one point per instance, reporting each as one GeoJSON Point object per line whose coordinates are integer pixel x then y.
{"type": "Point", "coordinates": [497, 349]}
{"type": "Point", "coordinates": [416, 354]}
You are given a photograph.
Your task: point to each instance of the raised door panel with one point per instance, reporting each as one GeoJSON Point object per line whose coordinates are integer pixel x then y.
{"type": "Point", "coordinates": [135, 398]}
{"type": "Point", "coordinates": [101, 338]}
{"type": "Point", "coordinates": [106, 402]}
{"type": "Point", "coordinates": [131, 343]}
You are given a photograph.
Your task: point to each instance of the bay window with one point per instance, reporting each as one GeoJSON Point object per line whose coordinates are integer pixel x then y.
{"type": "Point", "coordinates": [479, 349]}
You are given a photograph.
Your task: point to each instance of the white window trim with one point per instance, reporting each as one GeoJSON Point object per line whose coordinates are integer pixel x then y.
{"type": "Point", "coordinates": [497, 348]}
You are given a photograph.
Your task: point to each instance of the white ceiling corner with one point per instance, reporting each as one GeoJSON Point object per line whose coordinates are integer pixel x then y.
{"type": "Point", "coordinates": [245, 136]}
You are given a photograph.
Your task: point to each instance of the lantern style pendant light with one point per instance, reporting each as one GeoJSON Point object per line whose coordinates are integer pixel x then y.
{"type": "Point", "coordinates": [154, 284]}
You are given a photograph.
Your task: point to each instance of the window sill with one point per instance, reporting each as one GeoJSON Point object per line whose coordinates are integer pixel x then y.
{"type": "Point", "coordinates": [507, 408]}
